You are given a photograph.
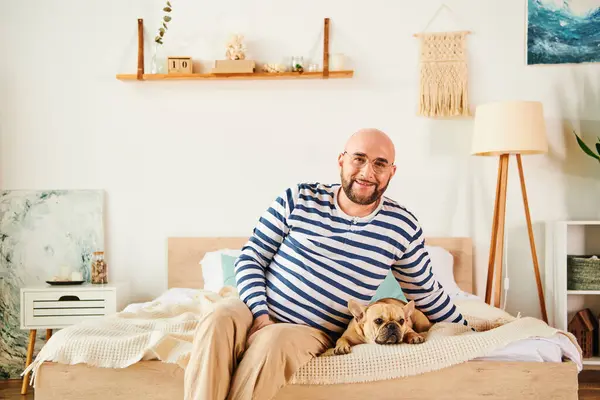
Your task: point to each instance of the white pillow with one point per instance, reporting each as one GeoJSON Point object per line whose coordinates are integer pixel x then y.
{"type": "Point", "coordinates": [442, 266]}
{"type": "Point", "coordinates": [212, 270]}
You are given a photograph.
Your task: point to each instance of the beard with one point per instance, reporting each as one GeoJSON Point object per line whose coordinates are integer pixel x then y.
{"type": "Point", "coordinates": [349, 184]}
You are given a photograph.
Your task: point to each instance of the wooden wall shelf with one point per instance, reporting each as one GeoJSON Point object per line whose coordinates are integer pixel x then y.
{"type": "Point", "coordinates": [240, 76]}
{"type": "Point", "coordinates": [324, 74]}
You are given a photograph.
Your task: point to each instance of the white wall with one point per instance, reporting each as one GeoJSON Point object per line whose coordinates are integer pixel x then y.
{"type": "Point", "coordinates": [191, 158]}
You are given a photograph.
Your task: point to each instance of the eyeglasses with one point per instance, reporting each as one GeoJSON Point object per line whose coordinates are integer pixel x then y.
{"type": "Point", "coordinates": [359, 160]}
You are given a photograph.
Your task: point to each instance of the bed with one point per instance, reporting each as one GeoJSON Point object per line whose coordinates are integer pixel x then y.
{"type": "Point", "coordinates": [496, 377]}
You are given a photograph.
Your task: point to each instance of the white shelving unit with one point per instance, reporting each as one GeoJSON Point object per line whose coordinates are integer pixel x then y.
{"type": "Point", "coordinates": [569, 238]}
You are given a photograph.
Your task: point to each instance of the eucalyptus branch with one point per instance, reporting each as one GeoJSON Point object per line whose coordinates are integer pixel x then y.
{"type": "Point", "coordinates": [165, 19]}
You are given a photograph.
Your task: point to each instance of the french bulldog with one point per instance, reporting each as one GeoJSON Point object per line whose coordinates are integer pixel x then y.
{"type": "Point", "coordinates": [386, 321]}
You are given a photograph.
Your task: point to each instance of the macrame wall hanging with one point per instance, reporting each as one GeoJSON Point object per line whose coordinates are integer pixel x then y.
{"type": "Point", "coordinates": [443, 75]}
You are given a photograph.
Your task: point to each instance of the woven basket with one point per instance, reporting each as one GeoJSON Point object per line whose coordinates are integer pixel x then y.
{"type": "Point", "coordinates": [583, 272]}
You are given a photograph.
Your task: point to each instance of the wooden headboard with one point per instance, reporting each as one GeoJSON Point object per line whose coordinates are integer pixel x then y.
{"type": "Point", "coordinates": [185, 253]}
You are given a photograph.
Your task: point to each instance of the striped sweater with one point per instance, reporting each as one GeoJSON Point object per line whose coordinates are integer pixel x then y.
{"type": "Point", "coordinates": [306, 258]}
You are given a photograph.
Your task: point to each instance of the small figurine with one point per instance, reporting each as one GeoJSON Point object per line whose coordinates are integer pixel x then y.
{"type": "Point", "coordinates": [235, 48]}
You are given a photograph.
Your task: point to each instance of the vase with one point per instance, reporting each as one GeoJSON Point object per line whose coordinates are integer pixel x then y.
{"type": "Point", "coordinates": [98, 268]}
{"type": "Point", "coordinates": [297, 63]}
{"type": "Point", "coordinates": [158, 60]}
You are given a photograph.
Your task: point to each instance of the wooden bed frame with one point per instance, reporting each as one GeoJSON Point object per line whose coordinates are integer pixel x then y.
{"type": "Point", "coordinates": [470, 380]}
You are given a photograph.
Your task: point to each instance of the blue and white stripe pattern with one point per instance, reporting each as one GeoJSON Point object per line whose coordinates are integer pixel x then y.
{"type": "Point", "coordinates": [307, 258]}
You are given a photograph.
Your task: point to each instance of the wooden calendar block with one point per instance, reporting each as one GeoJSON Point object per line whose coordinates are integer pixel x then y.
{"type": "Point", "coordinates": [180, 65]}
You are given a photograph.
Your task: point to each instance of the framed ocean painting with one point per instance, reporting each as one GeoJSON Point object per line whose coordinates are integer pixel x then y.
{"type": "Point", "coordinates": [563, 31]}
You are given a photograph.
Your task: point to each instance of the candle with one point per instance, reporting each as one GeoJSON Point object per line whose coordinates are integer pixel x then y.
{"type": "Point", "coordinates": [64, 272]}
{"type": "Point", "coordinates": [76, 276]}
{"type": "Point", "coordinates": [336, 62]}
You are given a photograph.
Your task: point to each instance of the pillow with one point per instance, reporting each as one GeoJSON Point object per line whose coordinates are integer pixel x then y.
{"type": "Point", "coordinates": [442, 265]}
{"type": "Point", "coordinates": [218, 271]}
{"type": "Point", "coordinates": [228, 265]}
{"type": "Point", "coordinates": [214, 270]}
{"type": "Point", "coordinates": [389, 288]}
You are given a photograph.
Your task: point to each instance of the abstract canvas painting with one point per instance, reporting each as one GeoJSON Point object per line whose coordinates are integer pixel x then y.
{"type": "Point", "coordinates": [563, 31]}
{"type": "Point", "coordinates": [40, 231]}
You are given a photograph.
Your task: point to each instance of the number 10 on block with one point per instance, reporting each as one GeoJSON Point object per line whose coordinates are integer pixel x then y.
{"type": "Point", "coordinates": [180, 65]}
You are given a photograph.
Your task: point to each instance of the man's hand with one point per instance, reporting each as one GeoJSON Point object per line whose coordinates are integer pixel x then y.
{"type": "Point", "coordinates": [259, 322]}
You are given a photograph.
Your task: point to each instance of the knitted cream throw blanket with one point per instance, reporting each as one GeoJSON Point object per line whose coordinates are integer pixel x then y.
{"type": "Point", "coordinates": [446, 345]}
{"type": "Point", "coordinates": [165, 332]}
{"type": "Point", "coordinates": [158, 331]}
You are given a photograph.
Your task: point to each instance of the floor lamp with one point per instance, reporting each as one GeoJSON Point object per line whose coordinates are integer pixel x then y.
{"type": "Point", "coordinates": [502, 129]}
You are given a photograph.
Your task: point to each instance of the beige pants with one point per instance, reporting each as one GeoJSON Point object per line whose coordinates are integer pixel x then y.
{"type": "Point", "coordinates": [221, 367]}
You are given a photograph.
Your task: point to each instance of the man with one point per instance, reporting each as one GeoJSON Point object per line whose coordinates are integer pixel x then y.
{"type": "Point", "coordinates": [315, 248]}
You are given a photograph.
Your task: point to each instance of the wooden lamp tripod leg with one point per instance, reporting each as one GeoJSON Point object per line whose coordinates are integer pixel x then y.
{"type": "Point", "coordinates": [536, 267]}
{"type": "Point", "coordinates": [497, 240]}
{"type": "Point", "coordinates": [494, 239]}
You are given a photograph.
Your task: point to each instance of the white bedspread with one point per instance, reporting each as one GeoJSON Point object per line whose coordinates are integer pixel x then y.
{"type": "Point", "coordinates": [159, 330]}
{"type": "Point", "coordinates": [164, 329]}
{"type": "Point", "coordinates": [550, 349]}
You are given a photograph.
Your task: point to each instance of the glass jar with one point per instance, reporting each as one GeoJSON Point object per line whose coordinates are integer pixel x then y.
{"type": "Point", "coordinates": [159, 60]}
{"type": "Point", "coordinates": [298, 64]}
{"type": "Point", "coordinates": [99, 273]}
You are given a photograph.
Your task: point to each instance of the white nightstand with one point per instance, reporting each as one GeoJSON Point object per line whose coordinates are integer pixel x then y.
{"type": "Point", "coordinates": [54, 307]}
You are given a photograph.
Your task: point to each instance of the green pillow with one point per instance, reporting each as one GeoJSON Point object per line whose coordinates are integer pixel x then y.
{"type": "Point", "coordinates": [227, 265]}
{"type": "Point", "coordinates": [389, 288]}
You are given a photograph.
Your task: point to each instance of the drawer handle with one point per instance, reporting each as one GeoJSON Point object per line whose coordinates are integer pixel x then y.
{"type": "Point", "coordinates": [68, 298]}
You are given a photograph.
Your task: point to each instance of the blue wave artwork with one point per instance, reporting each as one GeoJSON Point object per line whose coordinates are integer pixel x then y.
{"type": "Point", "coordinates": [563, 31]}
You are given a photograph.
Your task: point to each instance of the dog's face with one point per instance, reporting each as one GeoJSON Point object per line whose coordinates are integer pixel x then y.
{"type": "Point", "coordinates": [383, 322]}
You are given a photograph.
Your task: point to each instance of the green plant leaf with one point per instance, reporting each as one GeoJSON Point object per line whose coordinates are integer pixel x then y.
{"type": "Point", "coordinates": [598, 149]}
{"type": "Point", "coordinates": [169, 4]}
{"type": "Point", "coordinates": [167, 9]}
{"type": "Point", "coordinates": [167, 18]}
{"type": "Point", "coordinates": [586, 149]}
{"type": "Point", "coordinates": [165, 25]}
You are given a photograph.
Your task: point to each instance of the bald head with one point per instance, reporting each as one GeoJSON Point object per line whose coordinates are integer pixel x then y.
{"type": "Point", "coordinates": [366, 168]}
{"type": "Point", "coordinates": [372, 142]}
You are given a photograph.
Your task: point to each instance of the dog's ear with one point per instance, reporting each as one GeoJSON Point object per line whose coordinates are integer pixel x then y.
{"type": "Point", "coordinates": [356, 309]}
{"type": "Point", "coordinates": [409, 309]}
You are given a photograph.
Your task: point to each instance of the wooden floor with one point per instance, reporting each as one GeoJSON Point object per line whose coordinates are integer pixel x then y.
{"type": "Point", "coordinates": [11, 389]}
{"type": "Point", "coordinates": [589, 384]}
{"type": "Point", "coordinates": [589, 387]}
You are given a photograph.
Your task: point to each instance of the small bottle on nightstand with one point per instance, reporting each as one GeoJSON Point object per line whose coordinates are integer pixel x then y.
{"type": "Point", "coordinates": [99, 273]}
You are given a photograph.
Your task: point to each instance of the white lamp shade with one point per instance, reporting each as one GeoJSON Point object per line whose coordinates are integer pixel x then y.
{"type": "Point", "coordinates": [512, 127]}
